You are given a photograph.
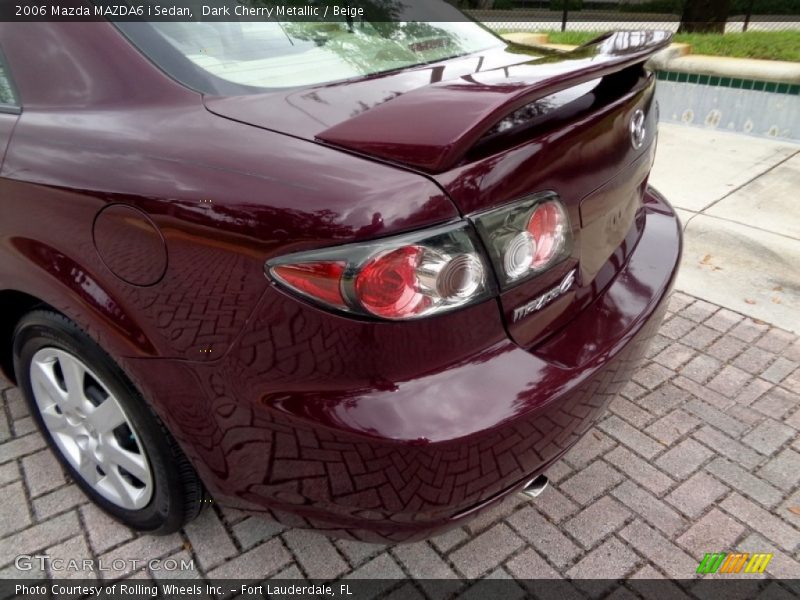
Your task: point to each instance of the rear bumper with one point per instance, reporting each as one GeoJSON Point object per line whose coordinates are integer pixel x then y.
{"type": "Point", "coordinates": [399, 456]}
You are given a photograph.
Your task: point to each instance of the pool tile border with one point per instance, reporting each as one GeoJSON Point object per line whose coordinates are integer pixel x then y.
{"type": "Point", "coordinates": [731, 82]}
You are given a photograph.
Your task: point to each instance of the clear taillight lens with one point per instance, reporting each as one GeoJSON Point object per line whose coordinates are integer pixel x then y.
{"type": "Point", "coordinates": [405, 277]}
{"type": "Point", "coordinates": [525, 238]}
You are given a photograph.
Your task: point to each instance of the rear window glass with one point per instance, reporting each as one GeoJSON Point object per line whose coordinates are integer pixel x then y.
{"type": "Point", "coordinates": [7, 95]}
{"type": "Point", "coordinates": [273, 54]}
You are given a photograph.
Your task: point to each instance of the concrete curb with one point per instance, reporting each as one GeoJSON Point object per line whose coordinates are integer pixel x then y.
{"type": "Point", "coordinates": [723, 66]}
{"type": "Point", "coordinates": [678, 58]}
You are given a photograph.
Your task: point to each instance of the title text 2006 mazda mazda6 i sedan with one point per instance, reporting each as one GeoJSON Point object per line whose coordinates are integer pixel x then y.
{"type": "Point", "coordinates": [363, 277]}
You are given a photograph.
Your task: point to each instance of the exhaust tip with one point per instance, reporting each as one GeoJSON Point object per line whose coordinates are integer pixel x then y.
{"type": "Point", "coordinates": [535, 486]}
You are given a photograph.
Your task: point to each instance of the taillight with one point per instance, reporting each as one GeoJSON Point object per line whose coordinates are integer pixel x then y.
{"type": "Point", "coordinates": [404, 277]}
{"type": "Point", "coordinates": [319, 280]}
{"type": "Point", "coordinates": [525, 238]}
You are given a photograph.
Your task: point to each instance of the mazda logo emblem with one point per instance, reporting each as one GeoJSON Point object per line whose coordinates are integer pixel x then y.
{"type": "Point", "coordinates": [638, 130]}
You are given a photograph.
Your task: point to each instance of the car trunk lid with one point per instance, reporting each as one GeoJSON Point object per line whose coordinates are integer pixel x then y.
{"type": "Point", "coordinates": [499, 127]}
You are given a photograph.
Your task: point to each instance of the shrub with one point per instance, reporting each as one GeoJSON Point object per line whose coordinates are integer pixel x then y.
{"type": "Point", "coordinates": [653, 6]}
{"type": "Point", "coordinates": [571, 4]}
{"type": "Point", "coordinates": [766, 7]}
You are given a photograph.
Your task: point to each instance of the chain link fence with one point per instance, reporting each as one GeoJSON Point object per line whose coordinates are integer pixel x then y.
{"type": "Point", "coordinates": [601, 15]}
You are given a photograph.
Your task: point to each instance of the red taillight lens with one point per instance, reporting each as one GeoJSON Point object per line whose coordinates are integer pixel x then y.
{"type": "Point", "coordinates": [387, 285]}
{"type": "Point", "coordinates": [546, 225]}
{"type": "Point", "coordinates": [320, 280]}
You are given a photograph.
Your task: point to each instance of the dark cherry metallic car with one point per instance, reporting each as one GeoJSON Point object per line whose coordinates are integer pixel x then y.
{"type": "Point", "coordinates": [365, 277]}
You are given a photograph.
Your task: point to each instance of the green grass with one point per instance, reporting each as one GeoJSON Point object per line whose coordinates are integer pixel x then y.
{"type": "Point", "coordinates": [771, 45]}
{"type": "Point", "coordinates": [576, 38]}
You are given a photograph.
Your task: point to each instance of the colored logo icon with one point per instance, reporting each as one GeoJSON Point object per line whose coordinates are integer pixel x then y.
{"type": "Point", "coordinates": [722, 562]}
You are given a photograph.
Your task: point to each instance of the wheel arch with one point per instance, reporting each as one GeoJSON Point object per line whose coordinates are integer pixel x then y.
{"type": "Point", "coordinates": [104, 322]}
{"type": "Point", "coordinates": [15, 305]}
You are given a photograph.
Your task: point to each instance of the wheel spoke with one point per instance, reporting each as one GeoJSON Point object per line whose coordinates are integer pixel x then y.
{"type": "Point", "coordinates": [88, 468]}
{"type": "Point", "coordinates": [106, 417]}
{"type": "Point", "coordinates": [122, 487]}
{"type": "Point", "coordinates": [131, 462]}
{"type": "Point", "coordinates": [44, 379]}
{"type": "Point", "coordinates": [56, 423]}
{"type": "Point", "coordinates": [73, 379]}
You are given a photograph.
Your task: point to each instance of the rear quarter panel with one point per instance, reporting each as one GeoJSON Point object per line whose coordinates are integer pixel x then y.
{"type": "Point", "coordinates": [225, 196]}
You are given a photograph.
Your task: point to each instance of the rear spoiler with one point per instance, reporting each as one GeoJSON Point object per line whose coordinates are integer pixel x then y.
{"type": "Point", "coordinates": [432, 127]}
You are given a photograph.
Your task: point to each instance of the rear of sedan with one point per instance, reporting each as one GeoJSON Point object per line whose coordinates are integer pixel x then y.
{"type": "Point", "coordinates": [424, 346]}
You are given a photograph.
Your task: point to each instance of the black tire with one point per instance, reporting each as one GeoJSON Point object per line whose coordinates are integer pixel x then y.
{"type": "Point", "coordinates": [177, 494]}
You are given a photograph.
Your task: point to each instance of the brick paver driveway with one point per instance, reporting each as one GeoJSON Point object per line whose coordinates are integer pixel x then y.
{"type": "Point", "coordinates": [701, 453]}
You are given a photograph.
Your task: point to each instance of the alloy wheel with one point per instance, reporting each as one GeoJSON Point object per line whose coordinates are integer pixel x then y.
{"type": "Point", "coordinates": [90, 428]}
